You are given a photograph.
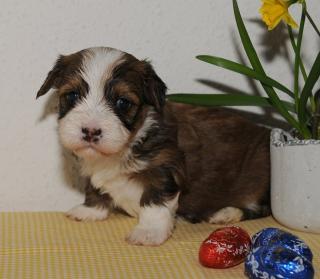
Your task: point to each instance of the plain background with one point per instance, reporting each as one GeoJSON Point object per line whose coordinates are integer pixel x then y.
{"type": "Point", "coordinates": [170, 33]}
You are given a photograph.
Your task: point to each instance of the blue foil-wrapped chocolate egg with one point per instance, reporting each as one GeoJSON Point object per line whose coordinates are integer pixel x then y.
{"type": "Point", "coordinates": [274, 236]}
{"type": "Point", "coordinates": [278, 254]}
{"type": "Point", "coordinates": [273, 262]}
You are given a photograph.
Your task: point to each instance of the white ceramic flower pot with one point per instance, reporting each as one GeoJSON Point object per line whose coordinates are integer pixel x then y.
{"type": "Point", "coordinates": [295, 181]}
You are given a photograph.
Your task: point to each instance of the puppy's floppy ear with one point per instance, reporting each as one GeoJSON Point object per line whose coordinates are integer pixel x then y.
{"type": "Point", "coordinates": [53, 78]}
{"type": "Point", "coordinates": [155, 93]}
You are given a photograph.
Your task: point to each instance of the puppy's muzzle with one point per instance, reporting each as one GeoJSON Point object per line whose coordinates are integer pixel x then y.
{"type": "Point", "coordinates": [91, 135]}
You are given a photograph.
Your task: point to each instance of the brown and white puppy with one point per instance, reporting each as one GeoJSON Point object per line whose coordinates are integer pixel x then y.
{"type": "Point", "coordinates": [153, 159]}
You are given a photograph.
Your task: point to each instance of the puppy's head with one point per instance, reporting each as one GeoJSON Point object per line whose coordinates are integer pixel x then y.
{"type": "Point", "coordinates": [105, 98]}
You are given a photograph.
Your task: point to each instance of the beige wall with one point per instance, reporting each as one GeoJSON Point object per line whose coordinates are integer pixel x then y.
{"type": "Point", "coordinates": [168, 32]}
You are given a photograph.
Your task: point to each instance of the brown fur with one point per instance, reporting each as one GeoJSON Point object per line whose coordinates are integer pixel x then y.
{"type": "Point", "coordinates": [227, 162]}
{"type": "Point", "coordinates": [65, 70]}
{"type": "Point", "coordinates": [95, 199]}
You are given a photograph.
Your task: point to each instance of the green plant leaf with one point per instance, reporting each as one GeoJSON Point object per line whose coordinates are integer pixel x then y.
{"type": "Point", "coordinates": [297, 57]}
{"type": "Point", "coordinates": [294, 46]}
{"type": "Point", "coordinates": [241, 69]}
{"type": "Point", "coordinates": [225, 100]}
{"type": "Point", "coordinates": [307, 89]}
{"type": "Point", "coordinates": [245, 39]}
{"type": "Point", "coordinates": [302, 67]}
{"type": "Point", "coordinates": [256, 64]}
{"type": "Point", "coordinates": [313, 24]}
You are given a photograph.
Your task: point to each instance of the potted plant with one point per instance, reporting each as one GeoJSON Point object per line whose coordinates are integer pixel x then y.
{"type": "Point", "coordinates": [295, 156]}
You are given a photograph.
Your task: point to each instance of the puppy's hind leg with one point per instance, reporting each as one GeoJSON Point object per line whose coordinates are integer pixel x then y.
{"type": "Point", "coordinates": [229, 215]}
{"type": "Point", "coordinates": [226, 215]}
{"type": "Point", "coordinates": [95, 207]}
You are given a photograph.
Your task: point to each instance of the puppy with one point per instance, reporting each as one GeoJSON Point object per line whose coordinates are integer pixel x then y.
{"type": "Point", "coordinates": [153, 159]}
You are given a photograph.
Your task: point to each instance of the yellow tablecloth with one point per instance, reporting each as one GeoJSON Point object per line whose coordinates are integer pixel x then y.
{"type": "Point", "coordinates": [48, 245]}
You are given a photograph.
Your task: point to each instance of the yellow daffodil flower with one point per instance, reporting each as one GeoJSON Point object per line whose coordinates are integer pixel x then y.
{"type": "Point", "coordinates": [273, 11]}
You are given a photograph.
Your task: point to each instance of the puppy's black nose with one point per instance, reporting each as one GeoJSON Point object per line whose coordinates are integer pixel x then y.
{"type": "Point", "coordinates": [91, 135]}
{"type": "Point", "coordinates": [96, 132]}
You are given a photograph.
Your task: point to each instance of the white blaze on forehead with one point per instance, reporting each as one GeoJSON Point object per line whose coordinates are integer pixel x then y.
{"type": "Point", "coordinates": [97, 66]}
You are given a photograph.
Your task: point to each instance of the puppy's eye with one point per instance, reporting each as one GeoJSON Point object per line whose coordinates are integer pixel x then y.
{"type": "Point", "coordinates": [72, 97]}
{"type": "Point", "coordinates": [67, 102]}
{"type": "Point", "coordinates": [123, 104]}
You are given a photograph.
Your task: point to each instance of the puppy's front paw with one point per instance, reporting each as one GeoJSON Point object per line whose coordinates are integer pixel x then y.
{"type": "Point", "coordinates": [148, 236]}
{"type": "Point", "coordinates": [85, 213]}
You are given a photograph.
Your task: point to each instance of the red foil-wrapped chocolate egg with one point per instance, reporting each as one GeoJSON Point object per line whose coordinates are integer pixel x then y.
{"type": "Point", "coordinates": [225, 247]}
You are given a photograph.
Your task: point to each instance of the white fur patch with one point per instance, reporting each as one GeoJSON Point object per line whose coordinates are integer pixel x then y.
{"type": "Point", "coordinates": [109, 175]}
{"type": "Point", "coordinates": [85, 213]}
{"type": "Point", "coordinates": [130, 163]}
{"type": "Point", "coordinates": [125, 193]}
{"type": "Point", "coordinates": [253, 206]}
{"type": "Point", "coordinates": [147, 124]}
{"type": "Point", "coordinates": [155, 224]}
{"type": "Point", "coordinates": [226, 215]}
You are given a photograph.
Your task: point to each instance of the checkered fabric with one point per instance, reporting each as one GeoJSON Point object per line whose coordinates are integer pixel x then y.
{"type": "Point", "coordinates": [48, 245]}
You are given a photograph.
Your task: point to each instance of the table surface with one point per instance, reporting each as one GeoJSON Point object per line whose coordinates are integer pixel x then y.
{"type": "Point", "coordinates": [48, 245]}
